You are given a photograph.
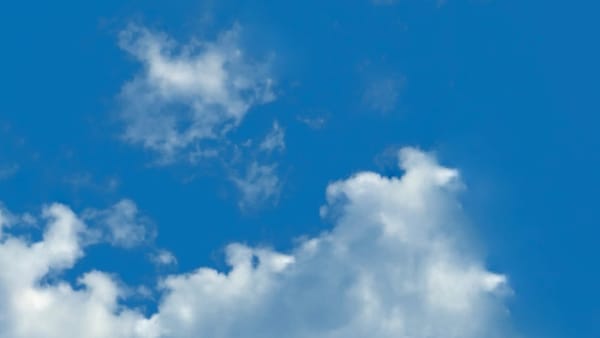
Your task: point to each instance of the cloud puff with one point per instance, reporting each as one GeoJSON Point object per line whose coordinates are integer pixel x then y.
{"type": "Point", "coordinates": [186, 94]}
{"type": "Point", "coordinates": [393, 265]}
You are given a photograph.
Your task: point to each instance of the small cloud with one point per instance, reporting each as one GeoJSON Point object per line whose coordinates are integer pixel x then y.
{"type": "Point", "coordinates": [260, 185]}
{"type": "Point", "coordinates": [275, 140]}
{"type": "Point", "coordinates": [120, 225]}
{"type": "Point", "coordinates": [163, 258]}
{"type": "Point", "coordinates": [8, 171]}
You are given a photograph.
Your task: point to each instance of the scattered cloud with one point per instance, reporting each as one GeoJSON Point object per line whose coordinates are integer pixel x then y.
{"type": "Point", "coordinates": [393, 265]}
{"type": "Point", "coordinates": [187, 98]}
{"type": "Point", "coordinates": [190, 93]}
{"type": "Point", "coordinates": [275, 140]}
{"type": "Point", "coordinates": [259, 185]}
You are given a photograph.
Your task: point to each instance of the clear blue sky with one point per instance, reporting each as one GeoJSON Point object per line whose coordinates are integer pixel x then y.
{"type": "Point", "coordinates": [504, 91]}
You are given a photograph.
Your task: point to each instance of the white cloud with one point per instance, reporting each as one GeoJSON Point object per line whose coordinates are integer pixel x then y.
{"type": "Point", "coordinates": [275, 140]}
{"type": "Point", "coordinates": [121, 225]}
{"type": "Point", "coordinates": [33, 308]}
{"type": "Point", "coordinates": [186, 94]}
{"type": "Point", "coordinates": [258, 186]}
{"type": "Point", "coordinates": [393, 265]}
{"type": "Point", "coordinates": [163, 257]}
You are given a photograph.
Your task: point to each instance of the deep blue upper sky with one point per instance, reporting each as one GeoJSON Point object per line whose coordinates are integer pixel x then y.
{"type": "Point", "coordinates": [506, 91]}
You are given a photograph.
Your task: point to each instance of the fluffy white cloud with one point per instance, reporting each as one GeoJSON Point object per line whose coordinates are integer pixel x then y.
{"type": "Point", "coordinates": [186, 94]}
{"type": "Point", "coordinates": [393, 265]}
{"type": "Point", "coordinates": [31, 306]}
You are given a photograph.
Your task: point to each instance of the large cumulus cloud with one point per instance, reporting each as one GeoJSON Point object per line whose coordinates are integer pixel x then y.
{"type": "Point", "coordinates": [394, 264]}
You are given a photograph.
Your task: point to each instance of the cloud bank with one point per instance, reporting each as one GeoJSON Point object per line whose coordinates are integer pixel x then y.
{"type": "Point", "coordinates": [394, 264]}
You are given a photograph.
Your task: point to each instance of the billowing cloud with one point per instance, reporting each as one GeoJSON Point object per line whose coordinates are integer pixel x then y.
{"type": "Point", "coordinates": [190, 93]}
{"type": "Point", "coordinates": [394, 264]}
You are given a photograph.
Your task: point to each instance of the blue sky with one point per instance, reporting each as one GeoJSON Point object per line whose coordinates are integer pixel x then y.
{"type": "Point", "coordinates": [503, 91]}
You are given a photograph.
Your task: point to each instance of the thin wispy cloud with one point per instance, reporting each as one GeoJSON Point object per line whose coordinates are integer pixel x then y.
{"type": "Point", "coordinates": [120, 225]}
{"type": "Point", "coordinates": [188, 93]}
{"type": "Point", "coordinates": [258, 185]}
{"type": "Point", "coordinates": [275, 139]}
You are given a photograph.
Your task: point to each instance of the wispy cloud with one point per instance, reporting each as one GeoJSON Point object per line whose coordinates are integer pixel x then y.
{"type": "Point", "coordinates": [188, 93]}
{"type": "Point", "coordinates": [275, 140]}
{"type": "Point", "coordinates": [258, 186]}
{"type": "Point", "coordinates": [121, 225]}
